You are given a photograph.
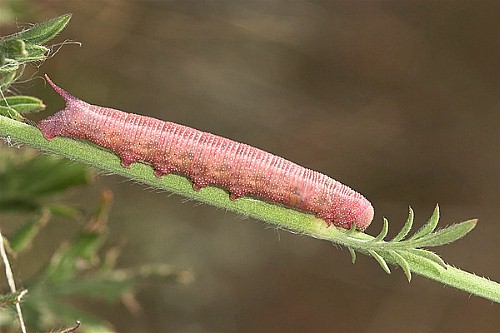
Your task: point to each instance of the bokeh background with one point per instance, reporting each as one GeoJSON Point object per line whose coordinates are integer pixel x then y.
{"type": "Point", "coordinates": [399, 100]}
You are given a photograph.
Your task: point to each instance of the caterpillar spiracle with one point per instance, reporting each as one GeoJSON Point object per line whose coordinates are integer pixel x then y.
{"type": "Point", "coordinates": [208, 159]}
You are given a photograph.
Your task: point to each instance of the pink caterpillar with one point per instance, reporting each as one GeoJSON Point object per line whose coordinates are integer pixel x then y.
{"type": "Point", "coordinates": [208, 159]}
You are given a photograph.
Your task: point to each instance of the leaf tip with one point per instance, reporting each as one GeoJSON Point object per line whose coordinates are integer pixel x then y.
{"type": "Point", "coordinates": [353, 254]}
{"type": "Point", "coordinates": [436, 210]}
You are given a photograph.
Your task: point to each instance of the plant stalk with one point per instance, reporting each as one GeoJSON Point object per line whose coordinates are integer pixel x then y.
{"type": "Point", "coordinates": [13, 131]}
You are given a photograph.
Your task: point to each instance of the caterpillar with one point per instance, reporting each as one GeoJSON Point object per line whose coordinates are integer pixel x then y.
{"type": "Point", "coordinates": [208, 159]}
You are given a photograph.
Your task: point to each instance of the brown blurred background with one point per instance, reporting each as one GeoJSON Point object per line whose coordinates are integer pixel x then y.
{"type": "Point", "coordinates": [399, 100]}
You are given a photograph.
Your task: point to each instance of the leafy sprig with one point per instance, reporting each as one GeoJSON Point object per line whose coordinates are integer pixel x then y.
{"type": "Point", "coordinates": [398, 248]}
{"type": "Point", "coordinates": [18, 49]}
{"type": "Point", "coordinates": [28, 185]}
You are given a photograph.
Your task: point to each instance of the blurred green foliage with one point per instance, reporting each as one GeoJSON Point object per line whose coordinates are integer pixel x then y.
{"type": "Point", "coordinates": [33, 185]}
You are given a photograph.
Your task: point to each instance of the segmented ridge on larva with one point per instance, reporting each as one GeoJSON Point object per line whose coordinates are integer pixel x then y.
{"type": "Point", "coordinates": [208, 159]}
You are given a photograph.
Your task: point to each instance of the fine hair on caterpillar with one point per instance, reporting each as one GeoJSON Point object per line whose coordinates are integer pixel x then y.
{"type": "Point", "coordinates": [208, 159]}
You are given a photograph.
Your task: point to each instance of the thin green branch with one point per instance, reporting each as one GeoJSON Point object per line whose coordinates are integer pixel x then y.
{"type": "Point", "coordinates": [405, 253]}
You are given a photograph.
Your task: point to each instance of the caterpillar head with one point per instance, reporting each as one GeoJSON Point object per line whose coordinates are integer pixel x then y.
{"type": "Point", "coordinates": [365, 217]}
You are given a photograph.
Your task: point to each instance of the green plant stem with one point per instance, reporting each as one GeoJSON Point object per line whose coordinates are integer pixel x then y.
{"type": "Point", "coordinates": [282, 217]}
{"type": "Point", "coordinates": [458, 278]}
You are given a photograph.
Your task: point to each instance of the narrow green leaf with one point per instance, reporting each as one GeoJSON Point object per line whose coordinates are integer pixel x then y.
{"type": "Point", "coordinates": [66, 261]}
{"type": "Point", "coordinates": [63, 210]}
{"type": "Point", "coordinates": [380, 237]}
{"type": "Point", "coordinates": [23, 238]}
{"type": "Point", "coordinates": [352, 230]}
{"type": "Point", "coordinates": [402, 263]}
{"type": "Point", "coordinates": [10, 113]}
{"type": "Point", "coordinates": [381, 261]}
{"type": "Point", "coordinates": [353, 254]}
{"type": "Point", "coordinates": [33, 53]}
{"type": "Point", "coordinates": [23, 104]}
{"type": "Point", "coordinates": [406, 228]}
{"type": "Point", "coordinates": [15, 100]}
{"type": "Point", "coordinates": [41, 32]}
{"type": "Point", "coordinates": [429, 226]}
{"type": "Point", "coordinates": [84, 247]}
{"type": "Point", "coordinates": [447, 235]}
{"type": "Point", "coordinates": [428, 255]}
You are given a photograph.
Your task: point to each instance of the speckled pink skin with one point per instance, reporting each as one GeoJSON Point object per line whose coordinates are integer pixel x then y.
{"type": "Point", "coordinates": [208, 159]}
